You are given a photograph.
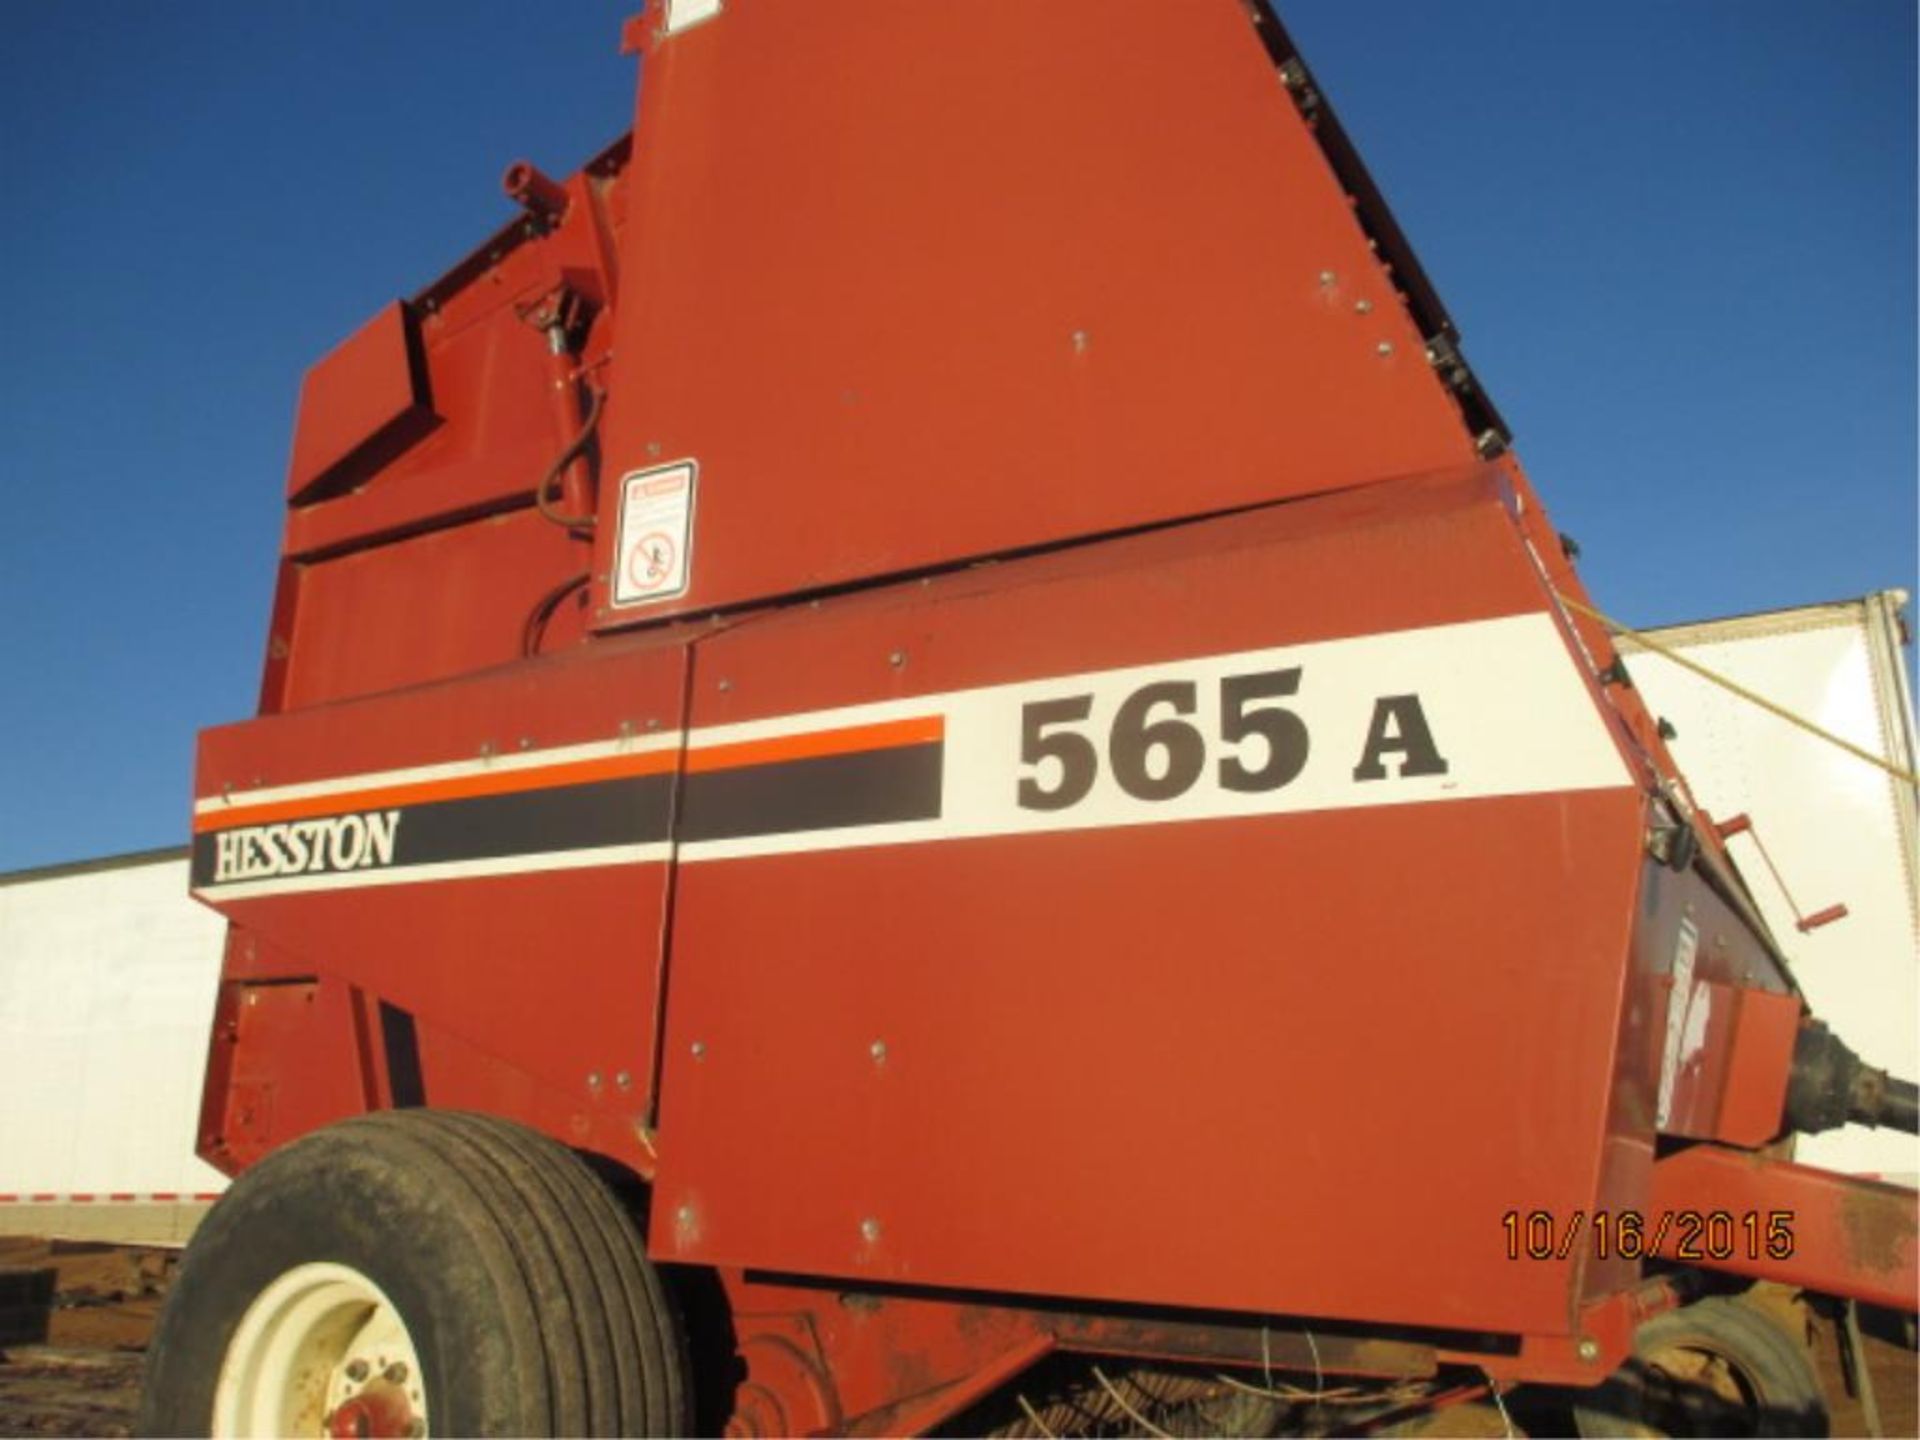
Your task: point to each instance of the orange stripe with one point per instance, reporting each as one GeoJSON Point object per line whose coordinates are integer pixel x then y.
{"type": "Point", "coordinates": [887, 735]}
{"type": "Point", "coordinates": [459, 787]}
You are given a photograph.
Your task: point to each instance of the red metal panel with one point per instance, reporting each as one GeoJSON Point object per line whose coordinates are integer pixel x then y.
{"type": "Point", "coordinates": [351, 396]}
{"type": "Point", "coordinates": [536, 993]}
{"type": "Point", "coordinates": [436, 605]}
{"type": "Point", "coordinates": [1753, 1102]}
{"type": "Point", "coordinates": [994, 274]}
{"type": "Point", "coordinates": [1202, 1064]}
{"type": "Point", "coordinates": [264, 1099]}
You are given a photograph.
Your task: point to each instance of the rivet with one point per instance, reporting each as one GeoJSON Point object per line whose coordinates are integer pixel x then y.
{"type": "Point", "coordinates": [652, 723]}
{"type": "Point", "coordinates": [1385, 347]}
{"type": "Point", "coordinates": [653, 447]}
{"type": "Point", "coordinates": [725, 685]}
{"type": "Point", "coordinates": [699, 1048]}
{"type": "Point", "coordinates": [870, 1229]}
{"type": "Point", "coordinates": [593, 1080]}
{"type": "Point", "coordinates": [526, 742]}
{"type": "Point", "coordinates": [624, 1080]}
{"type": "Point", "coordinates": [879, 1052]}
{"type": "Point", "coordinates": [684, 1215]}
{"type": "Point", "coordinates": [897, 659]}
{"type": "Point", "coordinates": [1363, 307]}
{"type": "Point", "coordinates": [1327, 277]}
{"type": "Point", "coordinates": [1079, 342]}
{"type": "Point", "coordinates": [1589, 1351]}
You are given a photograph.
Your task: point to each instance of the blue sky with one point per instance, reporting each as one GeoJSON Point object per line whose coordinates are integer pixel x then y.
{"type": "Point", "coordinates": [1678, 239]}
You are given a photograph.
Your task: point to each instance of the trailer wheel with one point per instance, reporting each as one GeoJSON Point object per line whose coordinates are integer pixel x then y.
{"type": "Point", "coordinates": [413, 1273]}
{"type": "Point", "coordinates": [1716, 1367]}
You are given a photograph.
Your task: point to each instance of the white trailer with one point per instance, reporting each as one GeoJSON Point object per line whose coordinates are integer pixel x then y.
{"type": "Point", "coordinates": [1838, 830]}
{"type": "Point", "coordinates": [107, 980]}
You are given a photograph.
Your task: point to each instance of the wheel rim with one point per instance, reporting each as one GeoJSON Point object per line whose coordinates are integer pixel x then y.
{"type": "Point", "coordinates": [321, 1351]}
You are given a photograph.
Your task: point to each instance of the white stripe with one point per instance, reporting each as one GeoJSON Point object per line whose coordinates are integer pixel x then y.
{"type": "Point", "coordinates": [447, 770]}
{"type": "Point", "coordinates": [1504, 698]}
{"type": "Point", "coordinates": [444, 870]}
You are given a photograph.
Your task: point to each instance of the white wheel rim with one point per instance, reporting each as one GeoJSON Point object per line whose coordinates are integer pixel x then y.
{"type": "Point", "coordinates": [320, 1351]}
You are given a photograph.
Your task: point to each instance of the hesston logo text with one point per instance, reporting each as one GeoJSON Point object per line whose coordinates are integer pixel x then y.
{"type": "Point", "coordinates": [341, 842]}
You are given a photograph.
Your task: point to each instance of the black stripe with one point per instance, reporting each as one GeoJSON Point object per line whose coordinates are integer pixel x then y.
{"type": "Point", "coordinates": [869, 787]}
{"type": "Point", "coordinates": [631, 811]}
{"type": "Point", "coordinates": [401, 1041]}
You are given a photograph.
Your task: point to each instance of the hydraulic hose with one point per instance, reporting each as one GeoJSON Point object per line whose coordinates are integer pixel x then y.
{"type": "Point", "coordinates": [543, 492]}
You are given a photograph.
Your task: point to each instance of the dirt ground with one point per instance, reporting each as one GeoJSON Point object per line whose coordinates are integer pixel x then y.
{"type": "Point", "coordinates": [85, 1378]}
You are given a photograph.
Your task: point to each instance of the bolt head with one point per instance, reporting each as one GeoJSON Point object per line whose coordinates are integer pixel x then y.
{"type": "Point", "coordinates": [1589, 1351]}
{"type": "Point", "coordinates": [1385, 347]}
{"type": "Point", "coordinates": [684, 1215]}
{"type": "Point", "coordinates": [593, 1080]}
{"type": "Point", "coordinates": [1327, 277]}
{"type": "Point", "coordinates": [1363, 307]}
{"type": "Point", "coordinates": [725, 685]}
{"type": "Point", "coordinates": [624, 1080]}
{"type": "Point", "coordinates": [878, 1050]}
{"type": "Point", "coordinates": [699, 1048]}
{"type": "Point", "coordinates": [870, 1229]}
{"type": "Point", "coordinates": [897, 659]}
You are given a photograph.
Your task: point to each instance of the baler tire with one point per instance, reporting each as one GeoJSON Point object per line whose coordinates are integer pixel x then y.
{"type": "Point", "coordinates": [1779, 1387]}
{"type": "Point", "coordinates": [507, 1265]}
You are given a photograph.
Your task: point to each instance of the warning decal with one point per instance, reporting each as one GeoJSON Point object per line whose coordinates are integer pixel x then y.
{"type": "Point", "coordinates": [652, 554]}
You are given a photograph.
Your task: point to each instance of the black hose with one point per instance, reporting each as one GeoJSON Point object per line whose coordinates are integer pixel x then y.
{"type": "Point", "coordinates": [542, 493]}
{"type": "Point", "coordinates": [535, 628]}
